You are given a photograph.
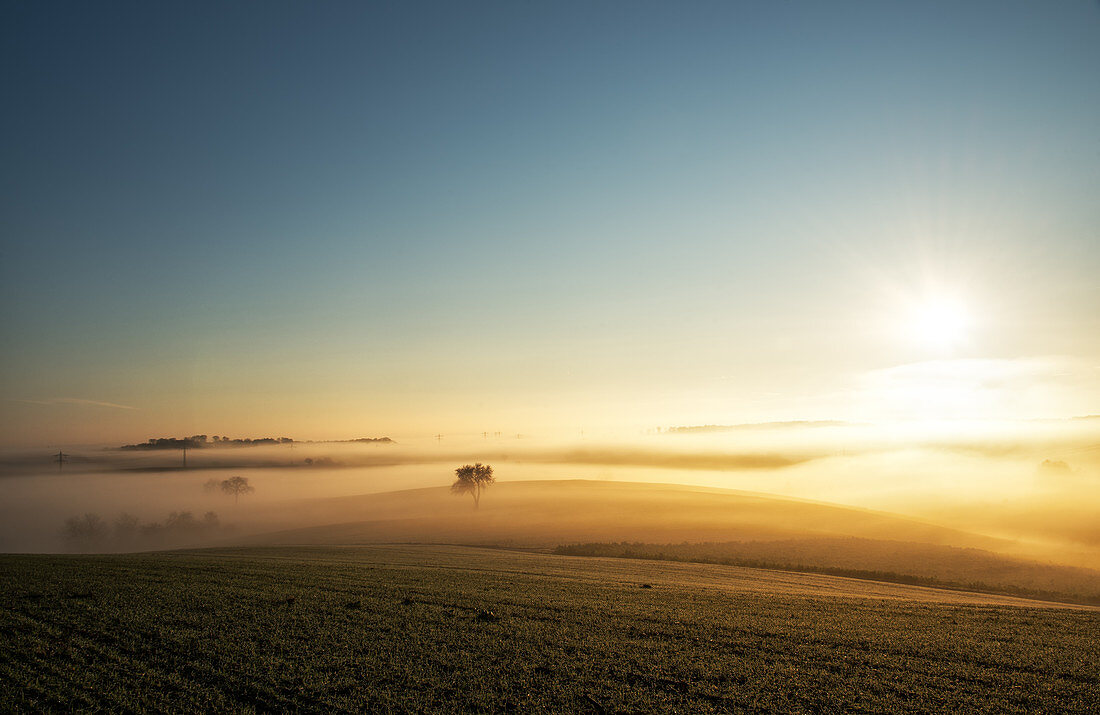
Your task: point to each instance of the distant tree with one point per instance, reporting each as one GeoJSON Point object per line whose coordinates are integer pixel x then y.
{"type": "Point", "coordinates": [181, 522]}
{"type": "Point", "coordinates": [473, 479]}
{"type": "Point", "coordinates": [152, 530]}
{"type": "Point", "coordinates": [126, 527]}
{"type": "Point", "coordinates": [212, 485]}
{"type": "Point", "coordinates": [89, 527]}
{"type": "Point", "coordinates": [1055, 466]}
{"type": "Point", "coordinates": [237, 486]}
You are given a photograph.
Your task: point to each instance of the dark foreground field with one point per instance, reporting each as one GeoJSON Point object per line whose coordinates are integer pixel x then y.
{"type": "Point", "coordinates": [414, 628]}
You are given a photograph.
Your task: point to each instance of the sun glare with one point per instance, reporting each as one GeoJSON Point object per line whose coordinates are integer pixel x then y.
{"type": "Point", "coordinates": [939, 323]}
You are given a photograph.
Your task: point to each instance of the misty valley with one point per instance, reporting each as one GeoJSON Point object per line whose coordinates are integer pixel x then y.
{"type": "Point", "coordinates": [333, 573]}
{"type": "Point", "coordinates": [704, 356]}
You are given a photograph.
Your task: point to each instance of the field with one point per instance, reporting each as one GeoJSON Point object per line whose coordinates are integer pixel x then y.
{"type": "Point", "coordinates": [410, 628]}
{"type": "Point", "coordinates": [877, 560]}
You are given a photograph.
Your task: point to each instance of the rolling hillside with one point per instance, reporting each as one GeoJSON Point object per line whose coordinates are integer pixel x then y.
{"type": "Point", "coordinates": [673, 522]}
{"type": "Point", "coordinates": [544, 514]}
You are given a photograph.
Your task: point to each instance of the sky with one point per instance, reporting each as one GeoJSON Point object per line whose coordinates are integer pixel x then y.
{"type": "Point", "coordinates": [353, 219]}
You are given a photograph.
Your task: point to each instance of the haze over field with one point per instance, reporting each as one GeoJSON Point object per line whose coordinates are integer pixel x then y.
{"type": "Point", "coordinates": [1023, 490]}
{"type": "Point", "coordinates": [831, 258]}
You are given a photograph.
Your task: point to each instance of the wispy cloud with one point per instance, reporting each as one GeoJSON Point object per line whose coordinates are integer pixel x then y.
{"type": "Point", "coordinates": [982, 388]}
{"type": "Point", "coordinates": [77, 401]}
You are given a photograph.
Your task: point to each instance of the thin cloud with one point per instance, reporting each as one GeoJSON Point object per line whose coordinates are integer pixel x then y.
{"type": "Point", "coordinates": [78, 401]}
{"type": "Point", "coordinates": [981, 388]}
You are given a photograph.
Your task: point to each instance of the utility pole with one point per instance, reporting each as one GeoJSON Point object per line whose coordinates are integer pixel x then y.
{"type": "Point", "coordinates": [185, 456]}
{"type": "Point", "coordinates": [438, 437]}
{"type": "Point", "coordinates": [60, 458]}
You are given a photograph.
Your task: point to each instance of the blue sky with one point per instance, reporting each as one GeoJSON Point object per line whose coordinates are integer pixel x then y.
{"type": "Point", "coordinates": [339, 217]}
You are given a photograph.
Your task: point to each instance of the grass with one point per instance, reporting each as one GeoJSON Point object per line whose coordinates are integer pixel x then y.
{"type": "Point", "coordinates": [877, 560]}
{"type": "Point", "coordinates": [404, 628]}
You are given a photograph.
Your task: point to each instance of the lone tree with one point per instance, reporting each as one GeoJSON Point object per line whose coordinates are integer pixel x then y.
{"type": "Point", "coordinates": [237, 486]}
{"type": "Point", "coordinates": [472, 479]}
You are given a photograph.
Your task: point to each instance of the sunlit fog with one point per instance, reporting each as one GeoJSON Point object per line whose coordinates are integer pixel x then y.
{"type": "Point", "coordinates": [1021, 488]}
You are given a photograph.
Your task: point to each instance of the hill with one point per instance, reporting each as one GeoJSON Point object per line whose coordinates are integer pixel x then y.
{"type": "Point", "coordinates": [545, 514]}
{"type": "Point", "coordinates": [675, 522]}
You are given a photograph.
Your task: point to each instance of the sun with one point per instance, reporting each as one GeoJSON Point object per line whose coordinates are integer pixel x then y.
{"type": "Point", "coordinates": [941, 323]}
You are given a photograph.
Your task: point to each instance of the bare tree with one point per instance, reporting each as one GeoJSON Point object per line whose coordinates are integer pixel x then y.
{"type": "Point", "coordinates": [472, 480]}
{"type": "Point", "coordinates": [89, 528]}
{"type": "Point", "coordinates": [237, 486]}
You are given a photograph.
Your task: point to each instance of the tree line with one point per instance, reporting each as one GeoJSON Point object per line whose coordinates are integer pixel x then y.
{"type": "Point", "coordinates": [91, 532]}
{"type": "Point", "coordinates": [200, 441]}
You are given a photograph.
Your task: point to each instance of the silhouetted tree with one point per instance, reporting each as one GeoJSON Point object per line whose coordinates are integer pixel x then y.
{"type": "Point", "coordinates": [182, 522]}
{"type": "Point", "coordinates": [472, 480]}
{"type": "Point", "coordinates": [90, 532]}
{"type": "Point", "coordinates": [89, 527]}
{"type": "Point", "coordinates": [237, 486]}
